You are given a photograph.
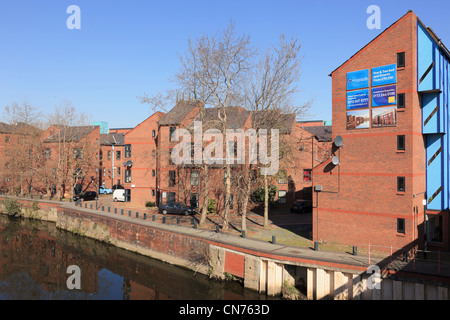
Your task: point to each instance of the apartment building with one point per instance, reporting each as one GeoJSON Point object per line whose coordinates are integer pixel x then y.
{"type": "Point", "coordinates": [149, 174]}
{"type": "Point", "coordinates": [387, 183]}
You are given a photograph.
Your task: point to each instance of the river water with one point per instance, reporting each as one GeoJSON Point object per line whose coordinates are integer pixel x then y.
{"type": "Point", "coordinates": [35, 257]}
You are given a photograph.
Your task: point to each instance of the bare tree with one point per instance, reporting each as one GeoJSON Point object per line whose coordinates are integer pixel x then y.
{"type": "Point", "coordinates": [225, 70]}
{"type": "Point", "coordinates": [24, 123]}
{"type": "Point", "coordinates": [75, 153]}
{"type": "Point", "coordinates": [271, 97]}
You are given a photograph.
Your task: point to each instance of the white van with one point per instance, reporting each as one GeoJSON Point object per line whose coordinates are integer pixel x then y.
{"type": "Point", "coordinates": [119, 195]}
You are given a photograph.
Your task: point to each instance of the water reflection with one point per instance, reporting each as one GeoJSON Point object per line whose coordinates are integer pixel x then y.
{"type": "Point", "coordinates": [34, 257]}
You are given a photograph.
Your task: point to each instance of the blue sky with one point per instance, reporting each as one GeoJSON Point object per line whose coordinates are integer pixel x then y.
{"type": "Point", "coordinates": [127, 48]}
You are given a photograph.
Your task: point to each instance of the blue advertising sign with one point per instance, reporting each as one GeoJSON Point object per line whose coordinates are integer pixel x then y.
{"type": "Point", "coordinates": [358, 99]}
{"type": "Point", "coordinates": [358, 79]}
{"type": "Point", "coordinates": [384, 96]}
{"type": "Point", "coordinates": [384, 75]}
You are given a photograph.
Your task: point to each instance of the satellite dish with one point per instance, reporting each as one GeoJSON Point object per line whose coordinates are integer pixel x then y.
{"type": "Point", "coordinates": [335, 160]}
{"type": "Point", "coordinates": [338, 141]}
{"type": "Point", "coordinates": [129, 163]}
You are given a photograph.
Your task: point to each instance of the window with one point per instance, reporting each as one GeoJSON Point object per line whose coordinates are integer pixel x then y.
{"type": "Point", "coordinates": [282, 195]}
{"type": "Point", "coordinates": [400, 60]}
{"type": "Point", "coordinates": [7, 139]}
{"type": "Point", "coordinates": [153, 172]}
{"type": "Point", "coordinates": [401, 142]}
{"type": "Point", "coordinates": [282, 178]}
{"type": "Point", "coordinates": [172, 178]}
{"type": "Point", "coordinates": [127, 150]}
{"type": "Point", "coordinates": [307, 174]}
{"type": "Point", "coordinates": [54, 173]}
{"type": "Point", "coordinates": [48, 153]}
{"type": "Point", "coordinates": [194, 200]}
{"type": "Point", "coordinates": [225, 176]}
{"type": "Point", "coordinates": [104, 172]}
{"type": "Point", "coordinates": [230, 202]}
{"type": "Point", "coordinates": [153, 192]}
{"type": "Point", "coordinates": [235, 149]}
{"type": "Point", "coordinates": [153, 133]}
{"type": "Point", "coordinates": [254, 176]}
{"type": "Point", "coordinates": [118, 171]}
{"type": "Point", "coordinates": [109, 155]}
{"type": "Point", "coordinates": [127, 176]}
{"type": "Point", "coordinates": [435, 228]}
{"type": "Point", "coordinates": [171, 134]}
{"type": "Point", "coordinates": [401, 184]}
{"type": "Point", "coordinates": [192, 150]}
{"type": "Point", "coordinates": [194, 177]}
{"type": "Point", "coordinates": [78, 153]}
{"type": "Point", "coordinates": [118, 155]}
{"type": "Point", "coordinates": [170, 157]}
{"type": "Point", "coordinates": [401, 225]}
{"type": "Point", "coordinates": [401, 100]}
{"type": "Point", "coordinates": [171, 196]}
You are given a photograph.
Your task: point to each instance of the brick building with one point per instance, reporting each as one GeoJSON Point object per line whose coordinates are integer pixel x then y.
{"type": "Point", "coordinates": [149, 174]}
{"type": "Point", "coordinates": [388, 183]}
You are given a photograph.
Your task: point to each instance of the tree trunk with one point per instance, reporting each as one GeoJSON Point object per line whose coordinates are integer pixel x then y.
{"type": "Point", "coordinates": [245, 204]}
{"type": "Point", "coordinates": [205, 196]}
{"type": "Point", "coordinates": [266, 202]}
{"type": "Point", "coordinates": [227, 197]}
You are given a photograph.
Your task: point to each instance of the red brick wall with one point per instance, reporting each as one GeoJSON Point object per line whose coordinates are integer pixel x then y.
{"type": "Point", "coordinates": [143, 155]}
{"type": "Point", "coordinates": [359, 203]}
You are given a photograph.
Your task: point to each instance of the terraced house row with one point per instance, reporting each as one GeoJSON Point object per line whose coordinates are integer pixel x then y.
{"type": "Point", "coordinates": [68, 160]}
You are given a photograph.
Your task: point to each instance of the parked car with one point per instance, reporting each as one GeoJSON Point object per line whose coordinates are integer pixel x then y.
{"type": "Point", "coordinates": [302, 206]}
{"type": "Point", "coordinates": [119, 195]}
{"type": "Point", "coordinates": [176, 208]}
{"type": "Point", "coordinates": [103, 190]}
{"type": "Point", "coordinates": [85, 196]}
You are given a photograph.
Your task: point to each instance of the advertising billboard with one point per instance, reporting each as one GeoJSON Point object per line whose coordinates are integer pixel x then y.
{"type": "Point", "coordinates": [358, 79]}
{"type": "Point", "coordinates": [358, 99]}
{"type": "Point", "coordinates": [384, 96]}
{"type": "Point", "coordinates": [384, 75]}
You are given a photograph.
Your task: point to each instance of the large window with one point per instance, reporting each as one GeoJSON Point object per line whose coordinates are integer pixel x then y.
{"type": "Point", "coordinates": [194, 177]}
{"type": "Point", "coordinates": [171, 196]}
{"type": "Point", "coordinates": [435, 228]}
{"type": "Point", "coordinates": [171, 134]}
{"type": "Point", "coordinates": [172, 178]}
{"type": "Point", "coordinates": [401, 101]}
{"type": "Point", "coordinates": [282, 196]}
{"type": "Point", "coordinates": [401, 184]}
{"type": "Point", "coordinates": [401, 142]}
{"type": "Point", "coordinates": [128, 151]}
{"type": "Point", "coordinates": [307, 174]}
{"type": "Point", "coordinates": [282, 177]}
{"type": "Point", "coordinates": [127, 176]}
{"type": "Point", "coordinates": [78, 153]}
{"type": "Point", "coordinates": [400, 60]}
{"type": "Point", "coordinates": [401, 225]}
{"type": "Point", "coordinates": [230, 202]}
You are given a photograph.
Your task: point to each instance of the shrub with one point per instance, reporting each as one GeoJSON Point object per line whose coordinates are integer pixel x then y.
{"type": "Point", "coordinates": [258, 194]}
{"type": "Point", "coordinates": [12, 207]}
{"type": "Point", "coordinates": [150, 204]}
{"type": "Point", "coordinates": [211, 206]}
